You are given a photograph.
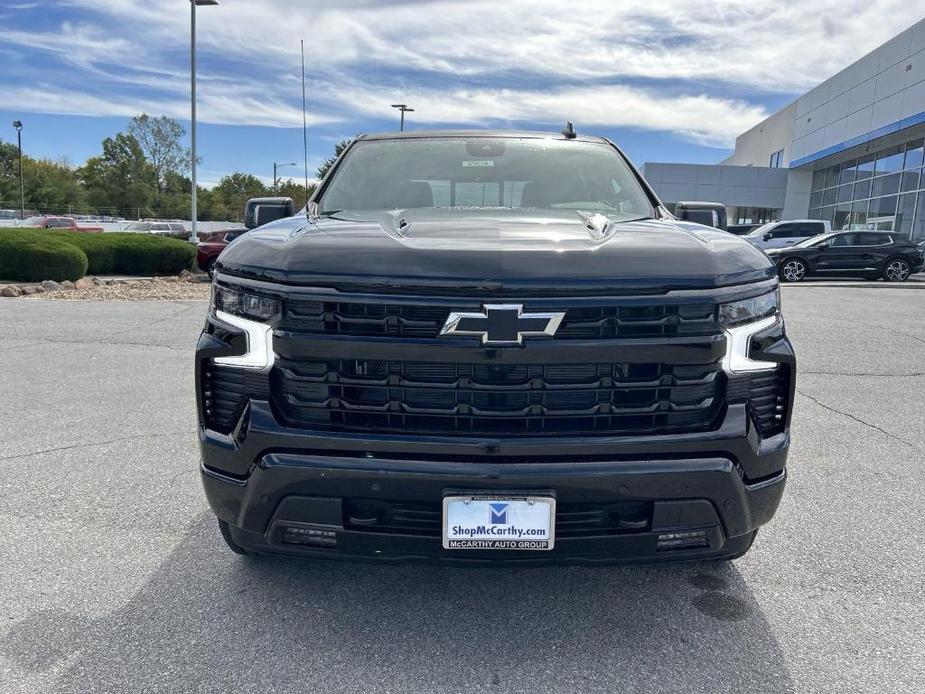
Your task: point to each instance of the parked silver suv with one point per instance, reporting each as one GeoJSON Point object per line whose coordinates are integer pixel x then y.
{"type": "Point", "coordinates": [787, 233]}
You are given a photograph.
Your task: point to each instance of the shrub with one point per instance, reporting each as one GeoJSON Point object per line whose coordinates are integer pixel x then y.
{"type": "Point", "coordinates": [132, 254]}
{"type": "Point", "coordinates": [31, 256]}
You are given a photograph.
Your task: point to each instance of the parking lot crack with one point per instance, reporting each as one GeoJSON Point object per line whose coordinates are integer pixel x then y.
{"type": "Point", "coordinates": [861, 421]}
{"type": "Point", "coordinates": [91, 444]}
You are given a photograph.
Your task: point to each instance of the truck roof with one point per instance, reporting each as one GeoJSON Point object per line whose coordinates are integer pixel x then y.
{"type": "Point", "coordinates": [417, 134]}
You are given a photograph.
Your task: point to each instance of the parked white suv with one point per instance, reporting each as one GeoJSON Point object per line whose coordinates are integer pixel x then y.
{"type": "Point", "coordinates": [787, 233]}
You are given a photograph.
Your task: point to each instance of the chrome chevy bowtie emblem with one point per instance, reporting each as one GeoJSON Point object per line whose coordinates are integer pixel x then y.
{"type": "Point", "coordinates": [502, 324]}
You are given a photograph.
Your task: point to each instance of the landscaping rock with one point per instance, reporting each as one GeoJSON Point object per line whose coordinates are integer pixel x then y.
{"type": "Point", "coordinates": [97, 281]}
{"type": "Point", "coordinates": [35, 289]}
{"type": "Point", "coordinates": [50, 286]}
{"type": "Point", "coordinates": [11, 290]}
{"type": "Point", "coordinates": [67, 284]}
{"type": "Point", "coordinates": [85, 283]}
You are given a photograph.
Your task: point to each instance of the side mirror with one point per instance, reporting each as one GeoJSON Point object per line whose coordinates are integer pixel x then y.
{"type": "Point", "coordinates": [767, 236]}
{"type": "Point", "coordinates": [260, 211]}
{"type": "Point", "coordinates": [823, 246]}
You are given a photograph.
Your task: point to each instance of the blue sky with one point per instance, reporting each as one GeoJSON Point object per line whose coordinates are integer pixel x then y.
{"type": "Point", "coordinates": [669, 81]}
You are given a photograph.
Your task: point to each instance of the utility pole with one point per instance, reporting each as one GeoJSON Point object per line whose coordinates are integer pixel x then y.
{"type": "Point", "coordinates": [194, 237]}
{"type": "Point", "coordinates": [279, 166]}
{"type": "Point", "coordinates": [22, 188]}
{"type": "Point", "coordinates": [403, 108]}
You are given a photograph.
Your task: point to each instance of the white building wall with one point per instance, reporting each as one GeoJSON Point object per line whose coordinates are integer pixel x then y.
{"type": "Point", "coordinates": [882, 92]}
{"type": "Point", "coordinates": [754, 147]}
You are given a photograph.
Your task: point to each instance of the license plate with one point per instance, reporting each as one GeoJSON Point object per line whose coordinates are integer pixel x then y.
{"type": "Point", "coordinates": [495, 521]}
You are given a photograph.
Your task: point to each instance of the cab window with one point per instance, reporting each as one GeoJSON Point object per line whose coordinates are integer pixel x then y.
{"type": "Point", "coordinates": [842, 240]}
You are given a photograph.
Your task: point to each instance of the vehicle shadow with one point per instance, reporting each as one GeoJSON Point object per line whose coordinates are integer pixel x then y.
{"type": "Point", "coordinates": [207, 620]}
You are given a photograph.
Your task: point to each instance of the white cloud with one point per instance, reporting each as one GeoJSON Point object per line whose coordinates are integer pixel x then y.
{"type": "Point", "coordinates": [590, 58]}
{"type": "Point", "coordinates": [701, 118]}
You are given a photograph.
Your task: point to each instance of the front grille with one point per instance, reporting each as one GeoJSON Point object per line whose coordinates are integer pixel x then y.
{"type": "Point", "coordinates": [498, 399]}
{"type": "Point", "coordinates": [425, 321]}
{"type": "Point", "coordinates": [424, 519]}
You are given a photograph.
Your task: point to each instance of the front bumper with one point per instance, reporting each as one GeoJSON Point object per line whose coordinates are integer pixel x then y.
{"type": "Point", "coordinates": [289, 490]}
{"type": "Point", "coordinates": [263, 476]}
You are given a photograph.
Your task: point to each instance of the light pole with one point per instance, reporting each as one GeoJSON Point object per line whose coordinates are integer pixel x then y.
{"type": "Point", "coordinates": [279, 166]}
{"type": "Point", "coordinates": [403, 108]}
{"type": "Point", "coordinates": [22, 189]}
{"type": "Point", "coordinates": [194, 237]}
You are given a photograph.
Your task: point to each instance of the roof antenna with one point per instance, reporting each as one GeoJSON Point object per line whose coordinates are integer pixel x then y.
{"type": "Point", "coordinates": [308, 208]}
{"type": "Point", "coordinates": [569, 131]}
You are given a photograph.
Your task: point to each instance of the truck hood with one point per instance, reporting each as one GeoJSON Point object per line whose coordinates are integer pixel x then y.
{"type": "Point", "coordinates": [496, 251]}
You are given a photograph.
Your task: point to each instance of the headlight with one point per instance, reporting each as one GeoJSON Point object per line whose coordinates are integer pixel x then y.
{"type": "Point", "coordinates": [741, 321]}
{"type": "Point", "coordinates": [249, 313]}
{"type": "Point", "coordinates": [258, 308]}
{"type": "Point", "coordinates": [749, 310]}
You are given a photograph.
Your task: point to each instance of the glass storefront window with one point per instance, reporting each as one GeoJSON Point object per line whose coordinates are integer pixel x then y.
{"type": "Point", "coordinates": [842, 215]}
{"type": "Point", "coordinates": [848, 171]}
{"type": "Point", "coordinates": [819, 179]}
{"type": "Point", "coordinates": [815, 199]}
{"type": "Point", "coordinates": [866, 166]}
{"type": "Point", "coordinates": [912, 180]}
{"type": "Point", "coordinates": [831, 176]}
{"type": "Point", "coordinates": [845, 193]}
{"type": "Point", "coordinates": [918, 225]}
{"type": "Point", "coordinates": [828, 196]}
{"type": "Point", "coordinates": [904, 213]}
{"type": "Point", "coordinates": [862, 189]}
{"type": "Point", "coordinates": [913, 155]}
{"type": "Point", "coordinates": [889, 160]}
{"type": "Point", "coordinates": [885, 185]}
{"type": "Point", "coordinates": [858, 214]}
{"type": "Point", "coordinates": [882, 212]}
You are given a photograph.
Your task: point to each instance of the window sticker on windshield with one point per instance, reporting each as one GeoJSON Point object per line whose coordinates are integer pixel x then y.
{"type": "Point", "coordinates": [481, 163]}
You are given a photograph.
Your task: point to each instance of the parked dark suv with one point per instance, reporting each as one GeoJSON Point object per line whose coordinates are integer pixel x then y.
{"type": "Point", "coordinates": [870, 254]}
{"type": "Point", "coordinates": [480, 347]}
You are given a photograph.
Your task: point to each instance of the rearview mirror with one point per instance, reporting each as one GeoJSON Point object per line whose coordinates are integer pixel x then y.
{"type": "Point", "coordinates": [260, 211]}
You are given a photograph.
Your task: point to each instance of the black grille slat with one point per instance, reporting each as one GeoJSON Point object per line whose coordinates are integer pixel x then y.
{"type": "Point", "coordinates": [517, 399]}
{"type": "Point", "coordinates": [224, 394]}
{"type": "Point", "coordinates": [765, 393]}
{"type": "Point", "coordinates": [374, 319]}
{"type": "Point", "coordinates": [424, 519]}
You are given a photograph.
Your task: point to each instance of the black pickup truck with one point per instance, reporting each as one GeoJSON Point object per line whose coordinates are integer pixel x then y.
{"type": "Point", "coordinates": [492, 347]}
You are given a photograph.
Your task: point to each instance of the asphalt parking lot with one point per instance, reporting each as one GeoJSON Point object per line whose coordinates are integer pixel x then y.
{"type": "Point", "coordinates": [113, 576]}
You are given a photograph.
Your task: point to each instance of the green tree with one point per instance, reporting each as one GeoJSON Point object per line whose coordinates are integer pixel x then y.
{"type": "Point", "coordinates": [329, 162]}
{"type": "Point", "coordinates": [52, 186]}
{"type": "Point", "coordinates": [121, 179]}
{"type": "Point", "coordinates": [232, 193]}
{"type": "Point", "coordinates": [159, 139]}
{"type": "Point", "coordinates": [295, 190]}
{"type": "Point", "coordinates": [9, 175]}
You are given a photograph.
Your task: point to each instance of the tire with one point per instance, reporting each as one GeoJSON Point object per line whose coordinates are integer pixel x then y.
{"type": "Point", "coordinates": [229, 540]}
{"type": "Point", "coordinates": [896, 270]}
{"type": "Point", "coordinates": [792, 270]}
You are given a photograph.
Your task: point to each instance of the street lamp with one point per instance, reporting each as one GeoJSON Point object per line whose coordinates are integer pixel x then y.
{"type": "Point", "coordinates": [22, 190]}
{"type": "Point", "coordinates": [279, 166]}
{"type": "Point", "coordinates": [192, 59]}
{"type": "Point", "coordinates": [403, 108]}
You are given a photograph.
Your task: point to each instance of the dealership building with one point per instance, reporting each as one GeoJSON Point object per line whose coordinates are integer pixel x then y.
{"type": "Point", "coordinates": [850, 151]}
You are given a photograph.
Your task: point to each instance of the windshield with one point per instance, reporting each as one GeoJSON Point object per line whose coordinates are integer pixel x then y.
{"type": "Point", "coordinates": [137, 226]}
{"type": "Point", "coordinates": [33, 221]}
{"type": "Point", "coordinates": [760, 230]}
{"type": "Point", "coordinates": [812, 241]}
{"type": "Point", "coordinates": [485, 172]}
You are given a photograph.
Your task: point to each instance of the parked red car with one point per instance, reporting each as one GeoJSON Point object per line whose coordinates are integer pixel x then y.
{"type": "Point", "coordinates": [208, 250]}
{"type": "Point", "coordinates": [54, 222]}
